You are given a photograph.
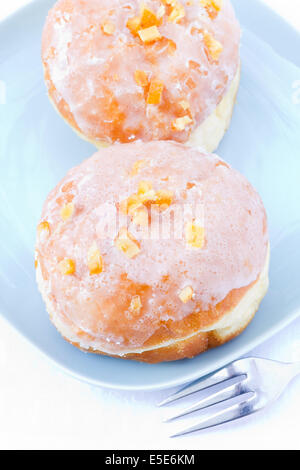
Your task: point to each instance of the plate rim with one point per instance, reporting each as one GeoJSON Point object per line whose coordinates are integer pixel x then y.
{"type": "Point", "coordinates": [293, 316]}
{"type": "Point", "coordinates": [168, 383]}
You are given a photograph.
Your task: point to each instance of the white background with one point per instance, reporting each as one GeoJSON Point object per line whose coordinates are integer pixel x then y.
{"type": "Point", "coordinates": [40, 407]}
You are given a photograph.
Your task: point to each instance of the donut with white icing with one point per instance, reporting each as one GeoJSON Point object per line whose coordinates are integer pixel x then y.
{"type": "Point", "coordinates": [152, 251]}
{"type": "Point", "coordinates": [128, 70]}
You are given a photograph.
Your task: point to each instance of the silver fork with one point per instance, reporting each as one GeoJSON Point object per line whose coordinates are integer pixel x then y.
{"type": "Point", "coordinates": [240, 389]}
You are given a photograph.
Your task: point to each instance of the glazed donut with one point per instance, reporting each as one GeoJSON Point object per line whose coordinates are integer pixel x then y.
{"type": "Point", "coordinates": [152, 251]}
{"type": "Point", "coordinates": [128, 70]}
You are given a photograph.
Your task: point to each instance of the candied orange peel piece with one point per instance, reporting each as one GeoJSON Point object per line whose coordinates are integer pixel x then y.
{"type": "Point", "coordinates": [44, 228]}
{"type": "Point", "coordinates": [148, 18]}
{"type": "Point", "coordinates": [131, 204]}
{"type": "Point", "coordinates": [212, 7]}
{"type": "Point", "coordinates": [144, 187]}
{"type": "Point", "coordinates": [146, 192]}
{"type": "Point", "coordinates": [52, 53]}
{"type": "Point", "coordinates": [185, 105]}
{"type": "Point", "coordinates": [177, 12]}
{"type": "Point", "coordinates": [186, 294]}
{"type": "Point", "coordinates": [136, 205]}
{"type": "Point", "coordinates": [164, 198]}
{"type": "Point", "coordinates": [213, 46]}
{"type": "Point", "coordinates": [36, 260]}
{"type": "Point", "coordinates": [95, 261]}
{"type": "Point", "coordinates": [67, 267]}
{"type": "Point", "coordinates": [135, 304]}
{"type": "Point", "coordinates": [135, 201]}
{"type": "Point", "coordinates": [155, 92]}
{"type": "Point", "coordinates": [126, 243]}
{"type": "Point", "coordinates": [133, 24]}
{"type": "Point", "coordinates": [108, 28]}
{"type": "Point", "coordinates": [67, 187]}
{"type": "Point", "coordinates": [181, 123]}
{"type": "Point", "coordinates": [67, 211]}
{"type": "Point", "coordinates": [194, 235]}
{"type": "Point", "coordinates": [149, 35]}
{"type": "Point", "coordinates": [141, 78]}
{"type": "Point", "coordinates": [222, 163]}
{"type": "Point", "coordinates": [171, 47]}
{"type": "Point", "coordinates": [191, 84]}
{"type": "Point", "coordinates": [141, 217]}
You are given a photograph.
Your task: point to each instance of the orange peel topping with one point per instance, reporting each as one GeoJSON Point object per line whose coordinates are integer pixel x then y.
{"type": "Point", "coordinates": [146, 192]}
{"type": "Point", "coordinates": [135, 304]}
{"type": "Point", "coordinates": [212, 7]}
{"type": "Point", "coordinates": [141, 217]}
{"type": "Point", "coordinates": [108, 28]}
{"type": "Point", "coordinates": [186, 294]}
{"type": "Point", "coordinates": [126, 243]}
{"type": "Point", "coordinates": [148, 18]}
{"type": "Point", "coordinates": [149, 35]}
{"type": "Point", "coordinates": [36, 260]}
{"type": "Point", "coordinates": [185, 105]}
{"type": "Point", "coordinates": [95, 261]}
{"type": "Point", "coordinates": [213, 46]}
{"type": "Point", "coordinates": [171, 47]}
{"type": "Point", "coordinates": [67, 267]}
{"type": "Point", "coordinates": [144, 187]}
{"type": "Point", "coordinates": [177, 13]}
{"type": "Point", "coordinates": [194, 235]}
{"type": "Point", "coordinates": [136, 205]}
{"type": "Point", "coordinates": [131, 204]}
{"type": "Point", "coordinates": [44, 228]}
{"type": "Point", "coordinates": [134, 24]}
{"type": "Point", "coordinates": [67, 211]}
{"type": "Point", "coordinates": [155, 92]}
{"type": "Point", "coordinates": [164, 198]}
{"type": "Point", "coordinates": [141, 78]}
{"type": "Point", "coordinates": [181, 123]}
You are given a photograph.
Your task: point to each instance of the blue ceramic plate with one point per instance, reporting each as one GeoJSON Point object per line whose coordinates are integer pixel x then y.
{"type": "Point", "coordinates": [37, 148]}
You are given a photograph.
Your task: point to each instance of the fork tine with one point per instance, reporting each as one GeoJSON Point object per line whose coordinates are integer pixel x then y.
{"type": "Point", "coordinates": [213, 379]}
{"type": "Point", "coordinates": [230, 389]}
{"type": "Point", "coordinates": [232, 412]}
